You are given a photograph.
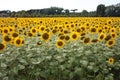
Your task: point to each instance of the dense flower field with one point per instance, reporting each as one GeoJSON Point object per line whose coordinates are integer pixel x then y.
{"type": "Point", "coordinates": [60, 48]}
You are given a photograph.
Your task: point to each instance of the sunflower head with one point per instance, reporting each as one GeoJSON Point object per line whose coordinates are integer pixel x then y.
{"type": "Point", "coordinates": [29, 34]}
{"type": "Point", "coordinates": [45, 36]}
{"type": "Point", "coordinates": [67, 38]}
{"type": "Point", "coordinates": [114, 35]}
{"type": "Point", "coordinates": [6, 30]}
{"type": "Point", "coordinates": [108, 37]}
{"type": "Point", "coordinates": [93, 30]}
{"type": "Point", "coordinates": [110, 43]}
{"type": "Point", "coordinates": [59, 43]}
{"type": "Point", "coordinates": [33, 30]}
{"type": "Point", "coordinates": [6, 38]}
{"type": "Point", "coordinates": [86, 40]}
{"type": "Point", "coordinates": [2, 46]}
{"type": "Point", "coordinates": [18, 41]}
{"type": "Point", "coordinates": [94, 40]}
{"type": "Point", "coordinates": [101, 36]}
{"type": "Point", "coordinates": [74, 36]}
{"type": "Point", "coordinates": [111, 60]}
{"type": "Point", "coordinates": [15, 34]}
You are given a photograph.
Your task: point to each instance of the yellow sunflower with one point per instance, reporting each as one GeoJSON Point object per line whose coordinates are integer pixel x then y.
{"type": "Point", "coordinates": [45, 36]}
{"type": "Point", "coordinates": [93, 30]}
{"type": "Point", "coordinates": [59, 43]}
{"type": "Point", "coordinates": [74, 36]}
{"type": "Point", "coordinates": [110, 43]}
{"type": "Point", "coordinates": [14, 34]}
{"type": "Point", "coordinates": [6, 38]}
{"type": "Point", "coordinates": [33, 31]}
{"type": "Point", "coordinates": [113, 35]}
{"type": "Point", "coordinates": [2, 46]}
{"type": "Point", "coordinates": [111, 60]}
{"type": "Point", "coordinates": [87, 40]}
{"type": "Point", "coordinates": [6, 30]}
{"type": "Point", "coordinates": [101, 36]}
{"type": "Point", "coordinates": [94, 40]}
{"type": "Point", "coordinates": [18, 42]}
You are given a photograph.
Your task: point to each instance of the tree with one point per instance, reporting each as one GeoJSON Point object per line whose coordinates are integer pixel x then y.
{"type": "Point", "coordinates": [67, 11]}
{"type": "Point", "coordinates": [84, 13]}
{"type": "Point", "coordinates": [101, 10]}
{"type": "Point", "coordinates": [73, 10]}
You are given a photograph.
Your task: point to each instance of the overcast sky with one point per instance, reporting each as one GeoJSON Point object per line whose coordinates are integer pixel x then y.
{"type": "Point", "coordinates": [89, 5]}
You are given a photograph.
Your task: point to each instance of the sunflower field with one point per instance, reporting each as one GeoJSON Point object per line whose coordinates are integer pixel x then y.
{"type": "Point", "coordinates": [73, 48]}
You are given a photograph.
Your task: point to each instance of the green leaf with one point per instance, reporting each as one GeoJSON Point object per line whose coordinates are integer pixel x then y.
{"type": "Point", "coordinates": [3, 65]}
{"type": "Point", "coordinates": [99, 77]}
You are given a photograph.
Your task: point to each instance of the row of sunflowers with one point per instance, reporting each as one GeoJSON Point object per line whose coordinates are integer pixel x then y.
{"type": "Point", "coordinates": [88, 44]}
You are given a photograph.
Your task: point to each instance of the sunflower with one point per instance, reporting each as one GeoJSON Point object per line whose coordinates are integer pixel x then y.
{"type": "Point", "coordinates": [67, 38]}
{"type": "Point", "coordinates": [14, 34]}
{"type": "Point", "coordinates": [100, 30]}
{"type": "Point", "coordinates": [112, 29]}
{"type": "Point", "coordinates": [18, 42]}
{"type": "Point", "coordinates": [101, 36]}
{"type": "Point", "coordinates": [11, 29]}
{"type": "Point", "coordinates": [82, 28]}
{"type": "Point", "coordinates": [45, 36]}
{"type": "Point", "coordinates": [108, 37]}
{"type": "Point", "coordinates": [33, 31]}
{"type": "Point", "coordinates": [83, 34]}
{"type": "Point", "coordinates": [54, 31]}
{"type": "Point", "coordinates": [86, 40]}
{"type": "Point", "coordinates": [74, 36]}
{"type": "Point", "coordinates": [29, 34]}
{"type": "Point", "coordinates": [59, 43]}
{"type": "Point", "coordinates": [94, 40]}
{"type": "Point", "coordinates": [93, 30]}
{"type": "Point", "coordinates": [6, 38]}
{"type": "Point", "coordinates": [109, 22]}
{"type": "Point", "coordinates": [110, 43]}
{"type": "Point", "coordinates": [5, 30]}
{"type": "Point", "coordinates": [42, 28]}
{"type": "Point", "coordinates": [111, 60]}
{"type": "Point", "coordinates": [113, 35]}
{"type": "Point", "coordinates": [66, 31]}
{"type": "Point", "coordinates": [62, 37]}
{"type": "Point", "coordinates": [2, 46]}
{"type": "Point", "coordinates": [78, 30]}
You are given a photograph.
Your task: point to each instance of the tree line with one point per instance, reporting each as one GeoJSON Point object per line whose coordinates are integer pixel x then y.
{"type": "Point", "coordinates": [101, 11]}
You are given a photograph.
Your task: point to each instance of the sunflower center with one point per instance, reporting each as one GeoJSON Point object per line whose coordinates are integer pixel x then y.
{"type": "Point", "coordinates": [18, 41]}
{"type": "Point", "coordinates": [42, 28]}
{"type": "Point", "coordinates": [33, 30]}
{"type": "Point", "coordinates": [1, 46]}
{"type": "Point", "coordinates": [93, 30]}
{"type": "Point", "coordinates": [74, 36]}
{"type": "Point", "coordinates": [94, 40]}
{"type": "Point", "coordinates": [11, 30]}
{"type": "Point", "coordinates": [78, 30]}
{"type": "Point", "coordinates": [15, 35]}
{"type": "Point", "coordinates": [67, 38]}
{"type": "Point", "coordinates": [29, 34]}
{"type": "Point", "coordinates": [110, 42]}
{"type": "Point", "coordinates": [60, 43]}
{"type": "Point", "coordinates": [7, 38]}
{"type": "Point", "coordinates": [108, 38]}
{"type": "Point", "coordinates": [62, 37]}
{"type": "Point", "coordinates": [54, 31]}
{"type": "Point", "coordinates": [45, 36]}
{"type": "Point", "coordinates": [5, 31]}
{"type": "Point", "coordinates": [86, 40]}
{"type": "Point", "coordinates": [102, 36]}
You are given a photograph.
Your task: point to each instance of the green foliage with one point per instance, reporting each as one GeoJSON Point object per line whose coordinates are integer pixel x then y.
{"type": "Point", "coordinates": [73, 62]}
